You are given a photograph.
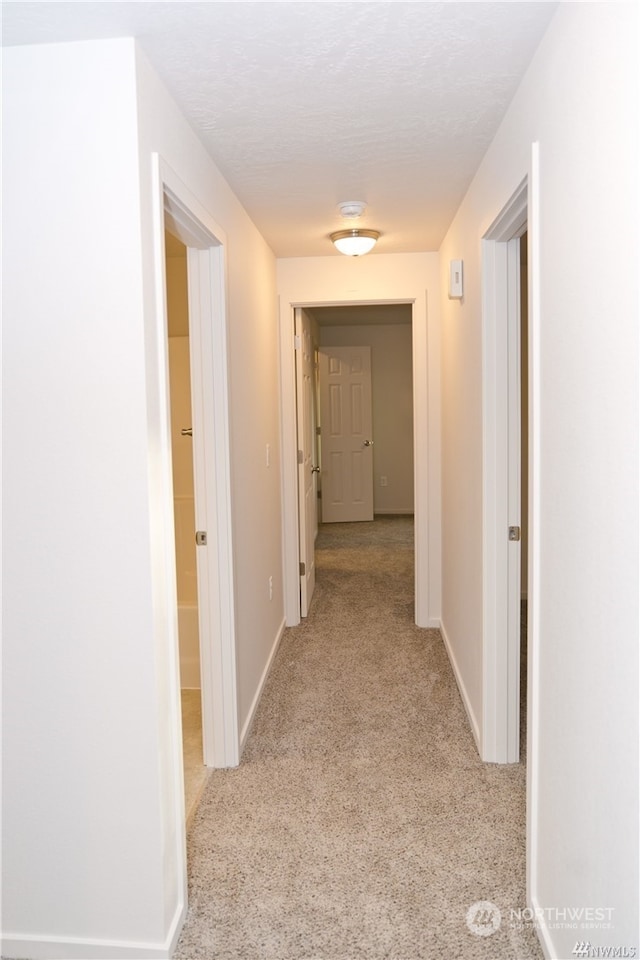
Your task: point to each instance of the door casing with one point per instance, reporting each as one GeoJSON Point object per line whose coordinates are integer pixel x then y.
{"type": "Point", "coordinates": [501, 489]}
{"type": "Point", "coordinates": [426, 464]}
{"type": "Point", "coordinates": [180, 211]}
{"type": "Point", "coordinates": [501, 481]}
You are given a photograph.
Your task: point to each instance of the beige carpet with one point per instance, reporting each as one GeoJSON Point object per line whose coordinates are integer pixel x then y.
{"type": "Point", "coordinates": [361, 823]}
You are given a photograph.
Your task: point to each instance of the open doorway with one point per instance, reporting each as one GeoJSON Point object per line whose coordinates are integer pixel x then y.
{"type": "Point", "coordinates": [180, 215]}
{"type": "Point", "coordinates": [194, 769]}
{"type": "Point", "coordinates": [366, 282]}
{"type": "Point", "coordinates": [381, 335]}
{"type": "Point", "coordinates": [506, 469]}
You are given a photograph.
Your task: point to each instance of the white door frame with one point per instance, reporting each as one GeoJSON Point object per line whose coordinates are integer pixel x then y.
{"type": "Point", "coordinates": [423, 481]}
{"type": "Point", "coordinates": [501, 478]}
{"type": "Point", "coordinates": [205, 241]}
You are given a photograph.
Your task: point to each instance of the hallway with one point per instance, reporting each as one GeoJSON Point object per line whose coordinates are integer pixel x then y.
{"type": "Point", "coordinates": [360, 823]}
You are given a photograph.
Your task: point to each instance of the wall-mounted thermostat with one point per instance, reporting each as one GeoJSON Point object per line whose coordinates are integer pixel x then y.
{"type": "Point", "coordinates": [455, 279]}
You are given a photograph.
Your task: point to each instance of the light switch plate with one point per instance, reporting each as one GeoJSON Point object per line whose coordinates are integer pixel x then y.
{"type": "Point", "coordinates": [455, 280]}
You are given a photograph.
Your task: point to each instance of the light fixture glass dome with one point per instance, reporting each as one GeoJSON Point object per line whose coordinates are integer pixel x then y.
{"type": "Point", "coordinates": [355, 243]}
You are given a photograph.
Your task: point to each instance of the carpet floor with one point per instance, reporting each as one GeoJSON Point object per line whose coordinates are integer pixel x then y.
{"type": "Point", "coordinates": [361, 823]}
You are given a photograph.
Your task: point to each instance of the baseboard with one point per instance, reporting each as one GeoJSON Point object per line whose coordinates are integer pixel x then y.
{"type": "Point", "coordinates": [52, 948]}
{"type": "Point", "coordinates": [175, 928]}
{"type": "Point", "coordinates": [22, 945]}
{"type": "Point", "coordinates": [393, 512]}
{"type": "Point", "coordinates": [59, 948]}
{"type": "Point", "coordinates": [475, 727]}
{"type": "Point", "coordinates": [246, 729]}
{"type": "Point", "coordinates": [542, 931]}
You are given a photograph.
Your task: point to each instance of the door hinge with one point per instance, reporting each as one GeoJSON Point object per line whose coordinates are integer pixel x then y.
{"type": "Point", "coordinates": [300, 456]}
{"type": "Point", "coordinates": [201, 538]}
{"type": "Point", "coordinates": [318, 431]}
{"type": "Point", "coordinates": [514, 533]}
{"type": "Point", "coordinates": [303, 569]}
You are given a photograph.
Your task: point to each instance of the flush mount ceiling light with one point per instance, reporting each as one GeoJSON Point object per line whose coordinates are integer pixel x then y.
{"type": "Point", "coordinates": [353, 242]}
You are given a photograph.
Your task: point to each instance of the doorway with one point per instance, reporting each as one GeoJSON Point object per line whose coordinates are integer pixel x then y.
{"type": "Point", "coordinates": [505, 459]}
{"type": "Point", "coordinates": [179, 214]}
{"type": "Point", "coordinates": [194, 768]}
{"type": "Point", "coordinates": [371, 281]}
{"type": "Point", "coordinates": [384, 333]}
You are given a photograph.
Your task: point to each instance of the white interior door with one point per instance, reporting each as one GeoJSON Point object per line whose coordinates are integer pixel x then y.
{"type": "Point", "coordinates": [347, 443]}
{"type": "Point", "coordinates": [307, 471]}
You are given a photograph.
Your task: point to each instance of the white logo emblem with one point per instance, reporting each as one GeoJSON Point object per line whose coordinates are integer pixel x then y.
{"type": "Point", "coordinates": [483, 918]}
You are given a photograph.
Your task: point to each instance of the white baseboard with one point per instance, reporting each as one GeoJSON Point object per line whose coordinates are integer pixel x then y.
{"type": "Point", "coordinates": [475, 727]}
{"type": "Point", "coordinates": [60, 948]}
{"type": "Point", "coordinates": [52, 948]}
{"type": "Point", "coordinates": [542, 931]}
{"type": "Point", "coordinates": [244, 733]}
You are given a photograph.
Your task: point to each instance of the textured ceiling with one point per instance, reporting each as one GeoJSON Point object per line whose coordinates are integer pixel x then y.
{"type": "Point", "coordinates": [303, 105]}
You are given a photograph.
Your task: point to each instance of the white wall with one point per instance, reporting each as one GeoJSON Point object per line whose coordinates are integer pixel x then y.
{"type": "Point", "coordinates": [79, 747]}
{"type": "Point", "coordinates": [579, 100]}
{"type": "Point", "coordinates": [93, 848]}
{"type": "Point", "coordinates": [392, 407]}
{"type": "Point", "coordinates": [315, 281]}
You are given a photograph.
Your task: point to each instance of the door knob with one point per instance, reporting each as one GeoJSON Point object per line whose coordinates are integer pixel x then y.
{"type": "Point", "coordinates": [368, 443]}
